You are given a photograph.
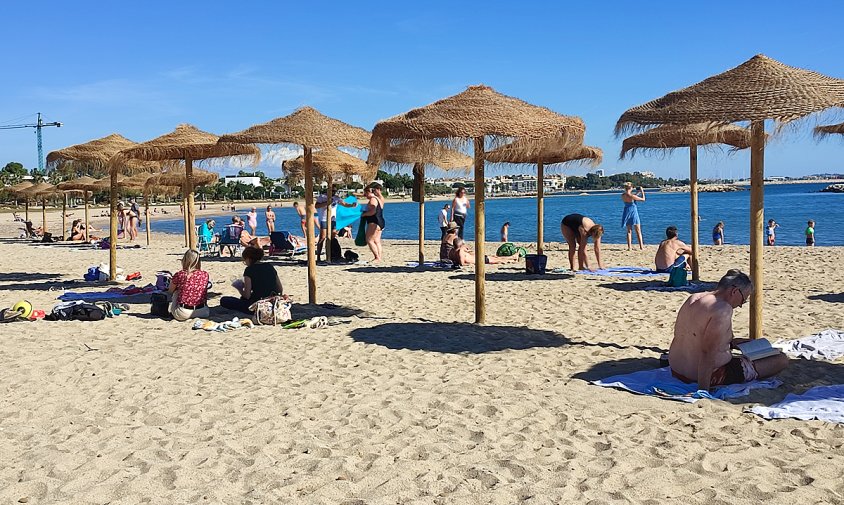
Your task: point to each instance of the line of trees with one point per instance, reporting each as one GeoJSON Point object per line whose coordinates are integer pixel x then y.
{"type": "Point", "coordinates": [593, 181]}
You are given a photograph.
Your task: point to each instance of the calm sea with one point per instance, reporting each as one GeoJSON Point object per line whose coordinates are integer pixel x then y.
{"type": "Point", "coordinates": [791, 205]}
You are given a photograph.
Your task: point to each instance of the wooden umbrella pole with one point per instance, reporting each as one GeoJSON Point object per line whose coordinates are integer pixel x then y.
{"type": "Point", "coordinates": [146, 214]}
{"type": "Point", "coordinates": [112, 226]}
{"type": "Point", "coordinates": [309, 224]}
{"type": "Point", "coordinates": [329, 233]}
{"type": "Point", "coordinates": [43, 215]}
{"type": "Point", "coordinates": [757, 219]}
{"type": "Point", "coordinates": [185, 213]}
{"type": "Point", "coordinates": [191, 226]}
{"type": "Point", "coordinates": [480, 232]}
{"type": "Point", "coordinates": [26, 210]}
{"type": "Point", "coordinates": [694, 212]}
{"type": "Point", "coordinates": [85, 195]}
{"type": "Point", "coordinates": [419, 170]}
{"type": "Point", "coordinates": [540, 208]}
{"type": "Point", "coordinates": [64, 214]}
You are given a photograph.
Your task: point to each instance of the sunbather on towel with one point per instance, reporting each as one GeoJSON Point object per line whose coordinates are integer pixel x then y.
{"type": "Point", "coordinates": [703, 336]}
{"type": "Point", "coordinates": [462, 255]}
{"type": "Point", "coordinates": [247, 240]}
{"type": "Point", "coordinates": [670, 250]}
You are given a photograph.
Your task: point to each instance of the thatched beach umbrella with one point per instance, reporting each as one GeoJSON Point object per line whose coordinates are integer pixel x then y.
{"type": "Point", "coordinates": [83, 185]}
{"type": "Point", "coordinates": [477, 114]}
{"type": "Point", "coordinates": [310, 129]}
{"type": "Point", "coordinates": [672, 137]}
{"type": "Point", "coordinates": [329, 165]}
{"type": "Point", "coordinates": [41, 190]}
{"type": "Point", "coordinates": [17, 190]}
{"type": "Point", "coordinates": [759, 89]}
{"type": "Point", "coordinates": [186, 143]}
{"type": "Point", "coordinates": [549, 154]}
{"type": "Point", "coordinates": [419, 156]}
{"type": "Point", "coordinates": [177, 178]}
{"type": "Point", "coordinates": [826, 130]}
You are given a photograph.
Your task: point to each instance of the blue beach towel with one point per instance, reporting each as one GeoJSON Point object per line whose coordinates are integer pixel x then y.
{"type": "Point", "coordinates": [348, 215]}
{"type": "Point", "coordinates": [660, 383]}
{"type": "Point", "coordinates": [822, 402]}
{"type": "Point", "coordinates": [631, 272]}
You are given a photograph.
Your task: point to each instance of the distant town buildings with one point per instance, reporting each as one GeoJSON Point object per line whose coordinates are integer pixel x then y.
{"type": "Point", "coordinates": [510, 184]}
{"type": "Point", "coordinates": [249, 181]}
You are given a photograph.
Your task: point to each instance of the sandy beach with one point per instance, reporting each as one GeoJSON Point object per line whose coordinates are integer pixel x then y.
{"type": "Point", "coordinates": [406, 402]}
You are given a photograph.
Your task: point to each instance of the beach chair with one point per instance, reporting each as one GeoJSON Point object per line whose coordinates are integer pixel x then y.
{"type": "Point", "coordinates": [17, 217]}
{"type": "Point", "coordinates": [281, 245]}
{"type": "Point", "coordinates": [204, 244]}
{"type": "Point", "coordinates": [230, 240]}
{"type": "Point", "coordinates": [29, 231]}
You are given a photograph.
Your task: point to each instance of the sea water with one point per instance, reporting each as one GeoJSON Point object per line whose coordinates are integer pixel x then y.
{"type": "Point", "coordinates": [790, 205]}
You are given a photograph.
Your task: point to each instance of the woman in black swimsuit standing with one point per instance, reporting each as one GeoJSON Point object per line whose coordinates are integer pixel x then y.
{"type": "Point", "coordinates": [374, 216]}
{"type": "Point", "coordinates": [577, 229]}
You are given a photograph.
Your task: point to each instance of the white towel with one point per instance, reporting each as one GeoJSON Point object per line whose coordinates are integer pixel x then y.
{"type": "Point", "coordinates": [827, 345]}
{"type": "Point", "coordinates": [822, 402]}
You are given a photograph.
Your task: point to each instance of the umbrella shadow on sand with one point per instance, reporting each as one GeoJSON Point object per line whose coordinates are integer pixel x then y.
{"type": "Point", "coordinates": [800, 376]}
{"type": "Point", "coordinates": [514, 276]}
{"type": "Point", "coordinates": [828, 297]}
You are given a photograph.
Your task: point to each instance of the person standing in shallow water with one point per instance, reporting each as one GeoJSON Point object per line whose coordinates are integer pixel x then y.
{"type": "Point", "coordinates": [630, 215]}
{"type": "Point", "coordinates": [718, 237]}
{"type": "Point", "coordinates": [460, 206]}
{"type": "Point", "coordinates": [505, 231]}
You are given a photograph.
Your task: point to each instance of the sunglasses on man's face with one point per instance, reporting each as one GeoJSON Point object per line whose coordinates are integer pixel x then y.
{"type": "Point", "coordinates": [744, 297]}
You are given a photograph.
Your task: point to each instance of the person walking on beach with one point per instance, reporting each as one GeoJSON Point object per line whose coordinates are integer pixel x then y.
{"type": "Point", "coordinates": [771, 232]}
{"type": "Point", "coordinates": [460, 206]}
{"type": "Point", "coordinates": [630, 215]}
{"type": "Point", "coordinates": [270, 219]}
{"type": "Point", "coordinates": [703, 337]}
{"type": "Point", "coordinates": [577, 228]}
{"type": "Point", "coordinates": [252, 220]}
{"type": "Point", "coordinates": [189, 288]}
{"type": "Point", "coordinates": [374, 217]}
{"type": "Point", "coordinates": [718, 237]}
{"type": "Point", "coordinates": [505, 231]}
{"type": "Point", "coordinates": [444, 220]}
{"type": "Point", "coordinates": [300, 210]}
{"type": "Point", "coordinates": [810, 234]}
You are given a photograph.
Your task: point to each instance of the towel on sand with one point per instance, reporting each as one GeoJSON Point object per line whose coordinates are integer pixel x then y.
{"type": "Point", "coordinates": [822, 402]}
{"type": "Point", "coordinates": [659, 382]}
{"type": "Point", "coordinates": [623, 272]}
{"type": "Point", "coordinates": [692, 287]}
{"type": "Point", "coordinates": [827, 345]}
{"type": "Point", "coordinates": [109, 294]}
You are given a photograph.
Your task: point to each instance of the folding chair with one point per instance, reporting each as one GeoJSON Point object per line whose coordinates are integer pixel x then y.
{"type": "Point", "coordinates": [204, 244]}
{"type": "Point", "coordinates": [281, 245]}
{"type": "Point", "coordinates": [230, 240]}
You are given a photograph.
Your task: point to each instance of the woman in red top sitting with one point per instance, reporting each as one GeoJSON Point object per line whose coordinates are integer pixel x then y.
{"type": "Point", "coordinates": [190, 289]}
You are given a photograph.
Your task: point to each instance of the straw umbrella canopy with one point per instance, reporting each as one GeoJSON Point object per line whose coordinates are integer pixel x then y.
{"type": "Point", "coordinates": [549, 154]}
{"type": "Point", "coordinates": [480, 114]}
{"type": "Point", "coordinates": [310, 129]}
{"type": "Point", "coordinates": [419, 156]}
{"type": "Point", "coordinates": [17, 190]}
{"type": "Point", "coordinates": [758, 89]}
{"type": "Point", "coordinates": [826, 130]}
{"type": "Point", "coordinates": [41, 190]}
{"type": "Point", "coordinates": [186, 143]}
{"type": "Point", "coordinates": [671, 137]}
{"type": "Point", "coordinates": [92, 157]}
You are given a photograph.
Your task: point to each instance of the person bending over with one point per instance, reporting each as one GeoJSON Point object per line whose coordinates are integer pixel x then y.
{"type": "Point", "coordinates": [577, 229]}
{"type": "Point", "coordinates": [260, 280]}
{"type": "Point", "coordinates": [672, 252]}
{"type": "Point", "coordinates": [189, 288]}
{"type": "Point", "coordinates": [703, 336]}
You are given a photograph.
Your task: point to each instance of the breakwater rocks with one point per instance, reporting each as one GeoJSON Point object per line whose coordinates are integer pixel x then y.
{"type": "Point", "coordinates": [704, 188]}
{"type": "Point", "coordinates": [834, 188]}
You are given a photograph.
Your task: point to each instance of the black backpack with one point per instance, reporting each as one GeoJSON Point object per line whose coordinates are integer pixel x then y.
{"type": "Point", "coordinates": [80, 311]}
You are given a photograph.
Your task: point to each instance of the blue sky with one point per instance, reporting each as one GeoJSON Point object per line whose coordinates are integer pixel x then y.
{"type": "Point", "coordinates": [140, 68]}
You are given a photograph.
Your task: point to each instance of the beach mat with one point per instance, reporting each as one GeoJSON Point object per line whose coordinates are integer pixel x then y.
{"type": "Point", "coordinates": [631, 272]}
{"type": "Point", "coordinates": [126, 295]}
{"type": "Point", "coordinates": [825, 403]}
{"type": "Point", "coordinates": [660, 383]}
{"type": "Point", "coordinates": [827, 345]}
{"type": "Point", "coordinates": [692, 287]}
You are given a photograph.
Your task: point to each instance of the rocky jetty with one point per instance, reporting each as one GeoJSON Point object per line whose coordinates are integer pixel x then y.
{"type": "Point", "coordinates": [704, 188]}
{"type": "Point", "coordinates": [834, 188]}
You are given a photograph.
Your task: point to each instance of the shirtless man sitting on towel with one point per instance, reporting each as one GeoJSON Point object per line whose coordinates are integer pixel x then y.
{"type": "Point", "coordinates": [670, 251]}
{"type": "Point", "coordinates": [703, 336]}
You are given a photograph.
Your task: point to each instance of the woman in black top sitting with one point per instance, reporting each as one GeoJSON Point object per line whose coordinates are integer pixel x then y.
{"type": "Point", "coordinates": [260, 280]}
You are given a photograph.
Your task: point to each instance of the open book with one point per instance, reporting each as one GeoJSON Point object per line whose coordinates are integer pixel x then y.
{"type": "Point", "coordinates": [758, 349]}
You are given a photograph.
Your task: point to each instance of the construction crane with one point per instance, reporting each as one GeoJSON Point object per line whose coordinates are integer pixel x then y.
{"type": "Point", "coordinates": [38, 125]}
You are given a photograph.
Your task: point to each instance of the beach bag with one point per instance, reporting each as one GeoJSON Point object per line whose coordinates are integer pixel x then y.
{"type": "Point", "coordinates": [92, 275]}
{"type": "Point", "coordinates": [351, 256]}
{"type": "Point", "coordinates": [360, 238]}
{"type": "Point", "coordinates": [272, 310]}
{"type": "Point", "coordinates": [678, 277]}
{"type": "Point", "coordinates": [336, 250]}
{"type": "Point", "coordinates": [162, 280]}
{"type": "Point", "coordinates": [159, 305]}
{"type": "Point", "coordinates": [76, 311]}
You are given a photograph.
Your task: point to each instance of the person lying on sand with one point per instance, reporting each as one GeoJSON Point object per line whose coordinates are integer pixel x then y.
{"type": "Point", "coordinates": [670, 250]}
{"type": "Point", "coordinates": [247, 240]}
{"type": "Point", "coordinates": [703, 336]}
{"type": "Point", "coordinates": [462, 255]}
